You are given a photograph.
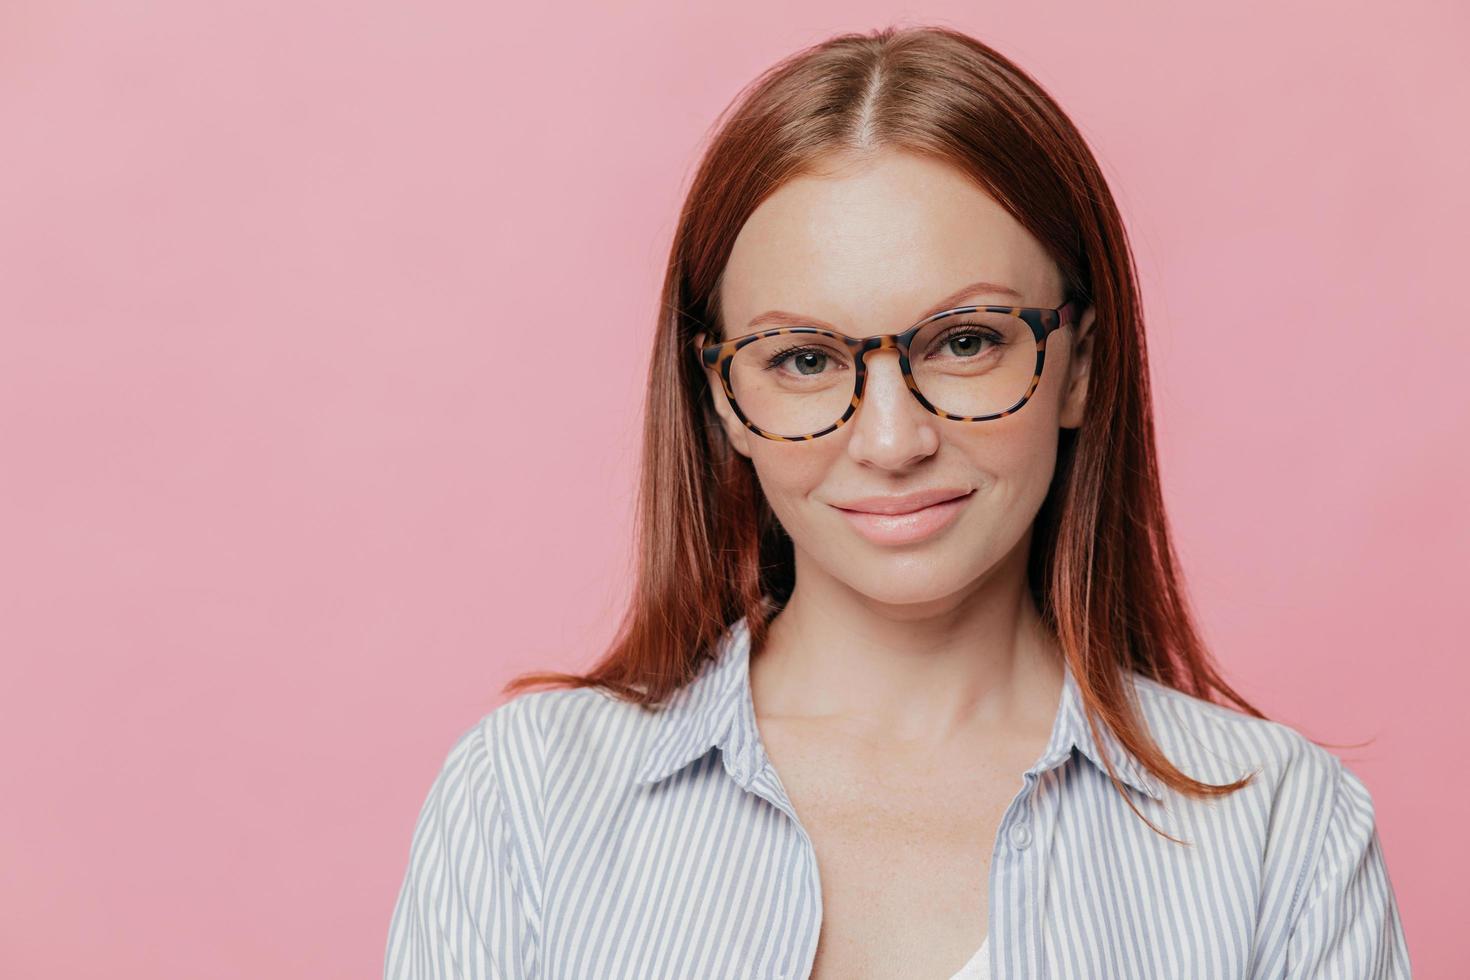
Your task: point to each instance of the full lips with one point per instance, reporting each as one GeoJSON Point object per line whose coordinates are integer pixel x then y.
{"type": "Point", "coordinates": [906, 528]}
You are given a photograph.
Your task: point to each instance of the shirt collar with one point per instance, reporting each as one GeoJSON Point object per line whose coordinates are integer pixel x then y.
{"type": "Point", "coordinates": [715, 710]}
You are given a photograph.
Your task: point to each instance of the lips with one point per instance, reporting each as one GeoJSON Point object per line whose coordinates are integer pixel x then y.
{"type": "Point", "coordinates": [903, 504]}
{"type": "Point", "coordinates": [909, 526]}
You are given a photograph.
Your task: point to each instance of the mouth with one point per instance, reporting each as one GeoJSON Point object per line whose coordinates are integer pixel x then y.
{"type": "Point", "coordinates": [906, 528]}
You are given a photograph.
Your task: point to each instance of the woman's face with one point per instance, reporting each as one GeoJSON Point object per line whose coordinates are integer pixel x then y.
{"type": "Point", "coordinates": [872, 248]}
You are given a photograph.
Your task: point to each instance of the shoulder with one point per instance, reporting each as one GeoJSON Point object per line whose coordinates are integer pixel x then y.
{"type": "Point", "coordinates": [525, 726]}
{"type": "Point", "coordinates": [1216, 743]}
{"type": "Point", "coordinates": [537, 742]}
{"type": "Point", "coordinates": [1303, 802]}
{"type": "Point", "coordinates": [508, 774]}
{"type": "Point", "coordinates": [1304, 831]}
{"type": "Point", "coordinates": [564, 720]}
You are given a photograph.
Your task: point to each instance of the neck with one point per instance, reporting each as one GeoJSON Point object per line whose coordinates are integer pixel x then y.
{"type": "Point", "coordinates": [913, 673]}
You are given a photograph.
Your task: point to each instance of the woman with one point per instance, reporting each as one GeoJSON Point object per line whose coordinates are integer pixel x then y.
{"type": "Point", "coordinates": [909, 685]}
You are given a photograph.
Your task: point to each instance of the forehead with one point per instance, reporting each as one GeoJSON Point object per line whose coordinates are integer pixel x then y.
{"type": "Point", "coordinates": [877, 241]}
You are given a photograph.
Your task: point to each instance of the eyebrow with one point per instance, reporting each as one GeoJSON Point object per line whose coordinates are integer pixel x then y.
{"type": "Point", "coordinates": [783, 319]}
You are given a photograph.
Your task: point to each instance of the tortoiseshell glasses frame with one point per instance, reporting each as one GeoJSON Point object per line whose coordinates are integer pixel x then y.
{"type": "Point", "coordinates": [1041, 320]}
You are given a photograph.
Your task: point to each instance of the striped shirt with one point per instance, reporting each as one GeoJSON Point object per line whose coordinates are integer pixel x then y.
{"type": "Point", "coordinates": [573, 836]}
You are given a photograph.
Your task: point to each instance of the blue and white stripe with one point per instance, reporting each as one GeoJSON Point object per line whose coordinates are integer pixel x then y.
{"type": "Point", "coordinates": [572, 836]}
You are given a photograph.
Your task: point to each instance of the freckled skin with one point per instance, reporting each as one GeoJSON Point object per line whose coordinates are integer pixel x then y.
{"type": "Point", "coordinates": [904, 689]}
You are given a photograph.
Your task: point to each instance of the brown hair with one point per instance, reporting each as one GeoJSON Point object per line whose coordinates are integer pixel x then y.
{"type": "Point", "coordinates": [1102, 568]}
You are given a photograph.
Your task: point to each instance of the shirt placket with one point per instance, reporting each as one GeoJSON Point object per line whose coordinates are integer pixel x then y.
{"type": "Point", "coordinates": [763, 782]}
{"type": "Point", "coordinates": [1019, 877]}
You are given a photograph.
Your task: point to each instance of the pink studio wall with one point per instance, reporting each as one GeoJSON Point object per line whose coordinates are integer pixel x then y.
{"type": "Point", "coordinates": [299, 466]}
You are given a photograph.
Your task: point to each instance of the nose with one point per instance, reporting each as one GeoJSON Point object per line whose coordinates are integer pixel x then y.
{"type": "Point", "coordinates": [891, 430]}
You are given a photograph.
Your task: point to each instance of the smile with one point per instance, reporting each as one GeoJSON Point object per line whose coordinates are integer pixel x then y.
{"type": "Point", "coordinates": [916, 525]}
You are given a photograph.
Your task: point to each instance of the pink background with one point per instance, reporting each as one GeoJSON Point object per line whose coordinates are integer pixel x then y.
{"type": "Point", "coordinates": [284, 501]}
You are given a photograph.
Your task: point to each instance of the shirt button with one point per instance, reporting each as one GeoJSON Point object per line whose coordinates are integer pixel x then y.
{"type": "Point", "coordinates": [1021, 835]}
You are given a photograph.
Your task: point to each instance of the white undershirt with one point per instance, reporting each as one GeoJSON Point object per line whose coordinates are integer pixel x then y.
{"type": "Point", "coordinates": [978, 967]}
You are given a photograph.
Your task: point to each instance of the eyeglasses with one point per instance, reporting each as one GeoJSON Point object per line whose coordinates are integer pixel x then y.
{"type": "Point", "coordinates": [969, 364]}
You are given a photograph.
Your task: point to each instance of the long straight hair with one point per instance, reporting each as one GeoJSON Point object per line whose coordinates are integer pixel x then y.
{"type": "Point", "coordinates": [1102, 568]}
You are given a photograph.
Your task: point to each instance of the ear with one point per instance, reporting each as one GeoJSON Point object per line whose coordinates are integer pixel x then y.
{"type": "Point", "coordinates": [1079, 370]}
{"type": "Point", "coordinates": [735, 430]}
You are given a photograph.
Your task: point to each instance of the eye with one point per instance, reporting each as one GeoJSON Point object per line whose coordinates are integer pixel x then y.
{"type": "Point", "coordinates": [801, 359]}
{"type": "Point", "coordinates": [808, 360]}
{"type": "Point", "coordinates": [966, 340]}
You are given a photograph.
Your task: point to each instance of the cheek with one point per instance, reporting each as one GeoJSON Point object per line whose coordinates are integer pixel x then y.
{"type": "Point", "coordinates": [788, 472]}
{"type": "Point", "coordinates": [1013, 462]}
